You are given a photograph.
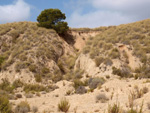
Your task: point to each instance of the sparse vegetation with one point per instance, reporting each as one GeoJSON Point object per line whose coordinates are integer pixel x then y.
{"type": "Point", "coordinates": [41, 58]}
{"type": "Point", "coordinates": [22, 107]}
{"type": "Point", "coordinates": [34, 109]}
{"type": "Point", "coordinates": [64, 105]}
{"type": "Point", "coordinates": [124, 72]}
{"type": "Point", "coordinates": [81, 90]}
{"type": "Point", "coordinates": [115, 108]}
{"type": "Point", "coordinates": [102, 98]}
{"type": "Point", "coordinates": [34, 87]}
{"type": "Point", "coordinates": [6, 86]}
{"type": "Point", "coordinates": [17, 83]}
{"type": "Point", "coordinates": [5, 106]}
{"type": "Point", "coordinates": [95, 82]}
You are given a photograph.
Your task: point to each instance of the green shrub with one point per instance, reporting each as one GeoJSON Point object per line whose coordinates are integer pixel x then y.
{"type": "Point", "coordinates": [20, 65]}
{"type": "Point", "coordinates": [4, 30]}
{"type": "Point", "coordinates": [28, 95]}
{"type": "Point", "coordinates": [57, 77]}
{"type": "Point", "coordinates": [17, 83]}
{"type": "Point", "coordinates": [101, 97]}
{"type": "Point", "coordinates": [6, 86]}
{"type": "Point", "coordinates": [23, 57]}
{"type": "Point", "coordinates": [77, 83]}
{"type": "Point", "coordinates": [33, 68]}
{"type": "Point", "coordinates": [2, 59]}
{"type": "Point", "coordinates": [64, 105]}
{"type": "Point", "coordinates": [15, 34]}
{"type": "Point", "coordinates": [45, 70]}
{"type": "Point", "coordinates": [78, 74]}
{"type": "Point", "coordinates": [99, 60]}
{"type": "Point", "coordinates": [108, 62]}
{"type": "Point", "coordinates": [114, 54]}
{"type": "Point", "coordinates": [86, 50]}
{"type": "Point", "coordinates": [136, 110]}
{"type": "Point", "coordinates": [34, 87]}
{"type": "Point", "coordinates": [19, 95]}
{"type": "Point", "coordinates": [80, 90]}
{"type": "Point", "coordinates": [38, 78]}
{"type": "Point", "coordinates": [124, 72]}
{"type": "Point", "coordinates": [22, 107]}
{"type": "Point", "coordinates": [114, 109]}
{"type": "Point", "coordinates": [53, 19]}
{"type": "Point", "coordinates": [4, 105]}
{"type": "Point", "coordinates": [95, 82]}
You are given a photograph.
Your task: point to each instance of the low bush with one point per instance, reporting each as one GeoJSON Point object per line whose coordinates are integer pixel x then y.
{"type": "Point", "coordinates": [32, 68]}
{"type": "Point", "coordinates": [22, 107]}
{"type": "Point", "coordinates": [81, 90]}
{"type": "Point", "coordinates": [101, 97]}
{"type": "Point", "coordinates": [64, 105]}
{"type": "Point", "coordinates": [95, 82]}
{"type": "Point", "coordinates": [18, 95]}
{"type": "Point", "coordinates": [6, 86]}
{"type": "Point", "coordinates": [17, 83]}
{"type": "Point", "coordinates": [132, 110]}
{"type": "Point", "coordinates": [99, 60]}
{"type": "Point", "coordinates": [77, 83]}
{"type": "Point", "coordinates": [78, 74]}
{"type": "Point", "coordinates": [29, 95]}
{"type": "Point", "coordinates": [2, 59]}
{"type": "Point", "coordinates": [115, 108]}
{"type": "Point", "coordinates": [108, 62]}
{"type": "Point", "coordinates": [34, 87]}
{"type": "Point", "coordinates": [114, 54]}
{"type": "Point", "coordinates": [5, 106]}
{"type": "Point", "coordinates": [38, 78]}
{"type": "Point", "coordinates": [34, 109]}
{"type": "Point", "coordinates": [124, 72]}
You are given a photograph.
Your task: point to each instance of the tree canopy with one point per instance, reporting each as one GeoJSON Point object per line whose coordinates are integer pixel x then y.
{"type": "Point", "coordinates": [53, 19]}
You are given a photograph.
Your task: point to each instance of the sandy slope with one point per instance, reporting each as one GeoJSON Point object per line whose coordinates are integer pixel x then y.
{"type": "Point", "coordinates": [86, 103]}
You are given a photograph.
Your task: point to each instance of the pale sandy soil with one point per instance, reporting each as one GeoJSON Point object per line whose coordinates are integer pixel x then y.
{"type": "Point", "coordinates": [86, 103]}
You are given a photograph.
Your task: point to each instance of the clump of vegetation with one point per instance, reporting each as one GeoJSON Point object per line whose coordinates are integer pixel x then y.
{"type": "Point", "coordinates": [34, 109]}
{"type": "Point", "coordinates": [5, 106]}
{"type": "Point", "coordinates": [95, 82]}
{"type": "Point", "coordinates": [142, 72]}
{"type": "Point", "coordinates": [53, 19]}
{"type": "Point", "coordinates": [77, 83]}
{"type": "Point", "coordinates": [23, 49]}
{"type": "Point", "coordinates": [34, 87]}
{"type": "Point", "coordinates": [64, 105]}
{"type": "Point", "coordinates": [104, 45]}
{"type": "Point", "coordinates": [22, 107]}
{"type": "Point", "coordinates": [81, 90]}
{"type": "Point", "coordinates": [99, 60]}
{"type": "Point", "coordinates": [17, 83]}
{"type": "Point", "coordinates": [132, 110]}
{"type": "Point", "coordinates": [101, 97]}
{"type": "Point", "coordinates": [6, 86]}
{"type": "Point", "coordinates": [18, 95]}
{"type": "Point", "coordinates": [124, 72]}
{"type": "Point", "coordinates": [115, 108]}
{"type": "Point", "coordinates": [2, 59]}
{"type": "Point", "coordinates": [114, 54]}
{"type": "Point", "coordinates": [108, 62]}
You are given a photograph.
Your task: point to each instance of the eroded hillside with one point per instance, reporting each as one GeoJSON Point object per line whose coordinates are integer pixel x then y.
{"type": "Point", "coordinates": [122, 50]}
{"type": "Point", "coordinates": [29, 51]}
{"type": "Point", "coordinates": [97, 70]}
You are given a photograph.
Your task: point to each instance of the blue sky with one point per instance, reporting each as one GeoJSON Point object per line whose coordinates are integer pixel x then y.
{"type": "Point", "coordinates": [79, 13]}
